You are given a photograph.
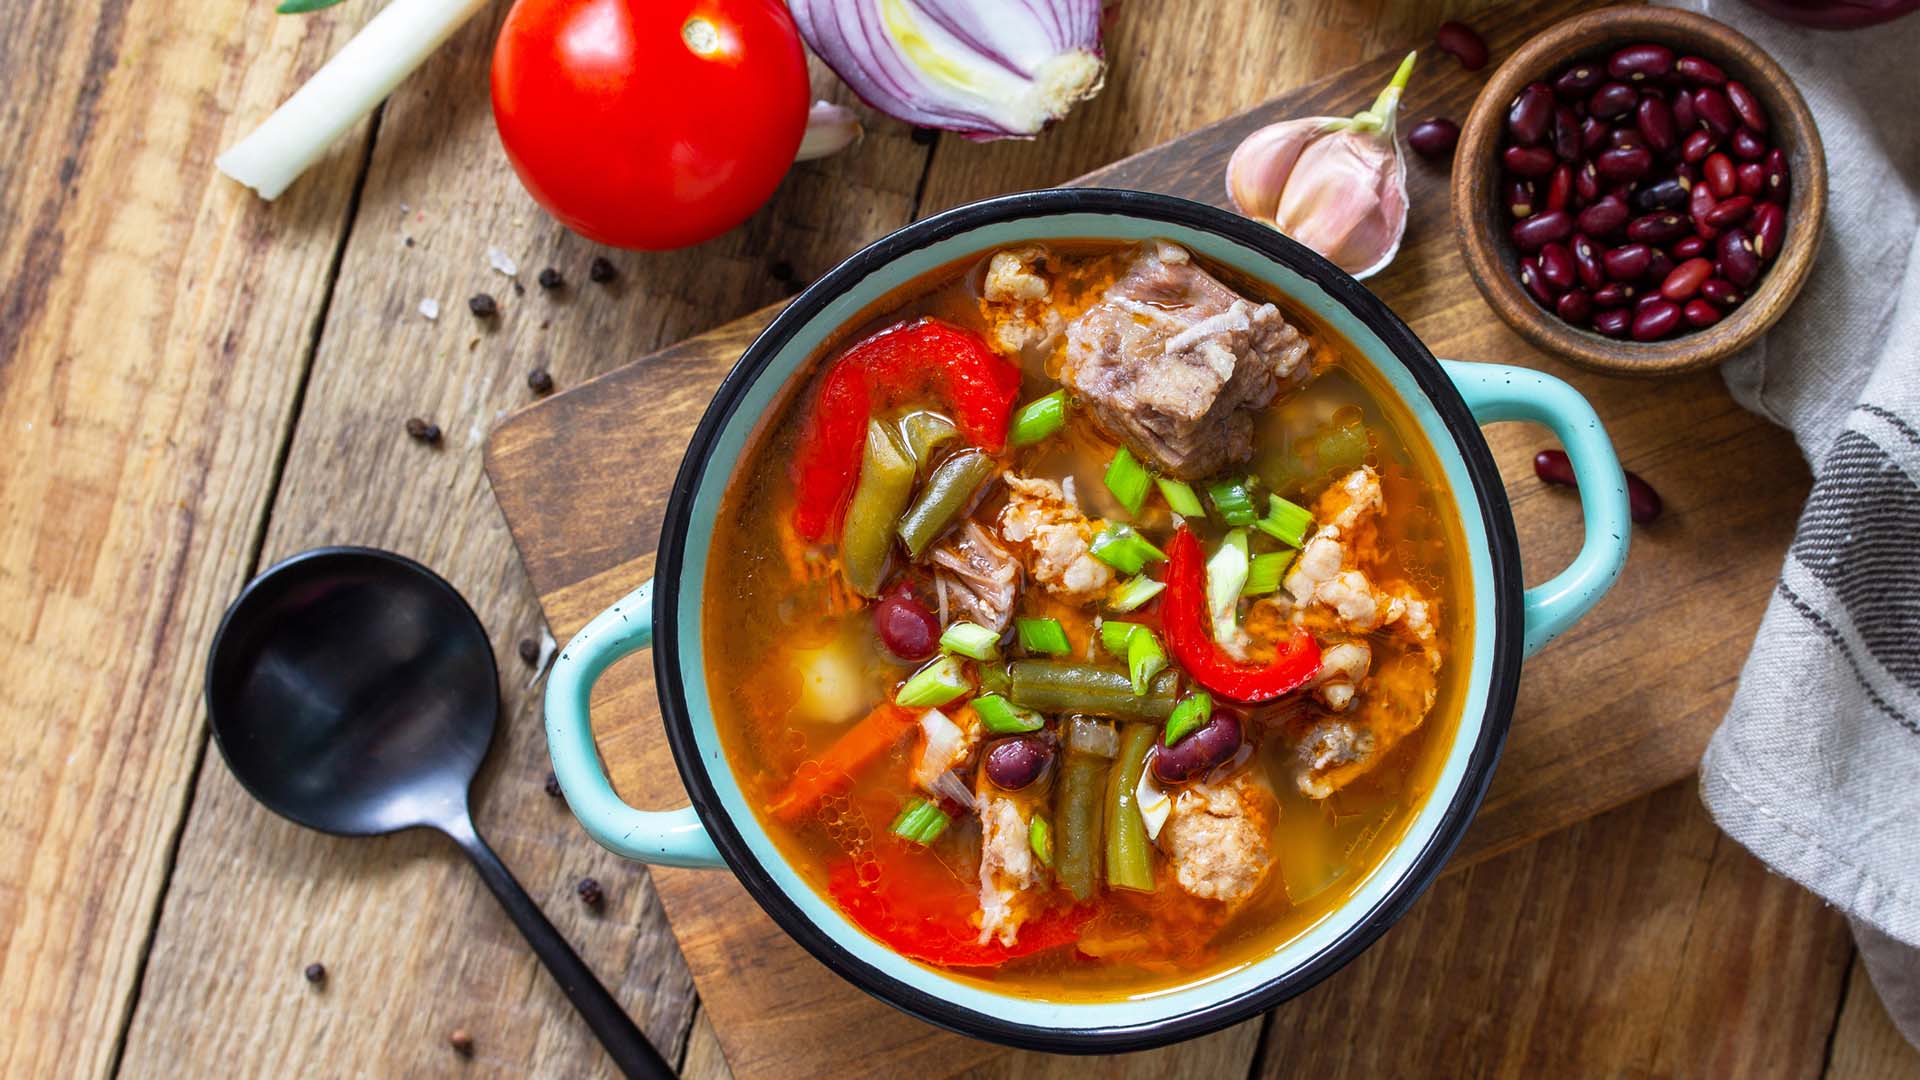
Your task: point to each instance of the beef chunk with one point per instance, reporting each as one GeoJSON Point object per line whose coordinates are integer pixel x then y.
{"type": "Point", "coordinates": [1174, 363]}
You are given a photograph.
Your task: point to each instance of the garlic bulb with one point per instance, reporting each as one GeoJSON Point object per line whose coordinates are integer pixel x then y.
{"type": "Point", "coordinates": [1336, 184]}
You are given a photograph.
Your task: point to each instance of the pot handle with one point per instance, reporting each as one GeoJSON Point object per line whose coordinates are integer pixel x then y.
{"type": "Point", "coordinates": [655, 837]}
{"type": "Point", "coordinates": [1496, 392]}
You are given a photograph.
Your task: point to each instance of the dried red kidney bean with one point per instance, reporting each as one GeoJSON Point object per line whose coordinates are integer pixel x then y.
{"type": "Point", "coordinates": [1013, 764]}
{"type": "Point", "coordinates": [1656, 320]}
{"type": "Point", "coordinates": [1721, 293]}
{"type": "Point", "coordinates": [1605, 216]}
{"type": "Point", "coordinates": [1614, 294]}
{"type": "Point", "coordinates": [1747, 146]}
{"type": "Point", "coordinates": [1747, 106]}
{"type": "Point", "coordinates": [1531, 279]}
{"type": "Point", "coordinates": [1623, 164]}
{"type": "Point", "coordinates": [1613, 322]}
{"type": "Point", "coordinates": [1779, 181]}
{"type": "Point", "coordinates": [1685, 280]}
{"type": "Point", "coordinates": [1578, 81]}
{"type": "Point", "coordinates": [1729, 212]}
{"type": "Point", "coordinates": [1529, 161]}
{"type": "Point", "coordinates": [1542, 228]}
{"type": "Point", "coordinates": [1643, 503]}
{"type": "Point", "coordinates": [1734, 258]}
{"type": "Point", "coordinates": [1638, 63]}
{"type": "Point", "coordinates": [1586, 183]}
{"type": "Point", "coordinates": [1559, 187]}
{"type": "Point", "coordinates": [906, 627]}
{"type": "Point", "coordinates": [1683, 118]}
{"type": "Point", "coordinates": [1659, 265]}
{"type": "Point", "coordinates": [1593, 135]}
{"type": "Point", "coordinates": [1586, 263]}
{"type": "Point", "coordinates": [1530, 113]}
{"type": "Point", "coordinates": [1616, 99]}
{"type": "Point", "coordinates": [1520, 196]}
{"type": "Point", "coordinates": [1699, 201]}
{"type": "Point", "coordinates": [1688, 246]}
{"type": "Point", "coordinates": [1696, 147]}
{"type": "Point", "coordinates": [1668, 194]}
{"type": "Point", "coordinates": [1628, 262]}
{"type": "Point", "coordinates": [1434, 137]}
{"type": "Point", "coordinates": [1626, 138]}
{"type": "Point", "coordinates": [1214, 744]}
{"type": "Point", "coordinates": [1693, 69]}
{"type": "Point", "coordinates": [1575, 306]}
{"type": "Point", "coordinates": [1567, 143]}
{"type": "Point", "coordinates": [1751, 179]}
{"type": "Point", "coordinates": [1715, 111]}
{"type": "Point", "coordinates": [1718, 171]}
{"type": "Point", "coordinates": [1699, 313]}
{"type": "Point", "coordinates": [1459, 41]}
{"type": "Point", "coordinates": [1556, 266]}
{"type": "Point", "coordinates": [1655, 121]}
{"type": "Point", "coordinates": [1662, 228]}
{"type": "Point", "coordinates": [1553, 467]}
{"type": "Point", "coordinates": [1769, 228]}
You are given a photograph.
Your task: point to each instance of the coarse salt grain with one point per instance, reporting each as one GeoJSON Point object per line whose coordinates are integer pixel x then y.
{"type": "Point", "coordinates": [430, 308]}
{"type": "Point", "coordinates": [502, 262]}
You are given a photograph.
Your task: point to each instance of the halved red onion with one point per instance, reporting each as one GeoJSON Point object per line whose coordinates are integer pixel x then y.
{"type": "Point", "coordinates": [988, 69]}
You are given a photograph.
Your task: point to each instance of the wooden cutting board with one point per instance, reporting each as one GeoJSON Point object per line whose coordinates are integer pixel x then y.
{"type": "Point", "coordinates": [1614, 709]}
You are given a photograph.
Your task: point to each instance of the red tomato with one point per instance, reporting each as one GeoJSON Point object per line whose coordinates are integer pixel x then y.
{"type": "Point", "coordinates": [650, 123]}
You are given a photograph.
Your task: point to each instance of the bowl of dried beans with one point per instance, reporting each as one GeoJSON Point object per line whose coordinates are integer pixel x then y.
{"type": "Point", "coordinates": [1640, 191]}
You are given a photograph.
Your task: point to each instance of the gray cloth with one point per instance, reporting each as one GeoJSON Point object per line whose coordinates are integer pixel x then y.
{"type": "Point", "coordinates": [1816, 768]}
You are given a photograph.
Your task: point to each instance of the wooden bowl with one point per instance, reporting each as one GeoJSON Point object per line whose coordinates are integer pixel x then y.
{"type": "Point", "coordinates": [1482, 224]}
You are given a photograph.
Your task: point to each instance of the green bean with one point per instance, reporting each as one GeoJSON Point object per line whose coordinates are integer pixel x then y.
{"type": "Point", "coordinates": [1129, 864]}
{"type": "Point", "coordinates": [886, 482]}
{"type": "Point", "coordinates": [1076, 820]}
{"type": "Point", "coordinates": [948, 492]}
{"type": "Point", "coordinates": [1063, 686]}
{"type": "Point", "coordinates": [926, 432]}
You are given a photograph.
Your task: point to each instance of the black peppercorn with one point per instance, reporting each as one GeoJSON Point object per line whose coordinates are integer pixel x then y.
{"type": "Point", "coordinates": [590, 893]}
{"type": "Point", "coordinates": [461, 1042]}
{"type": "Point", "coordinates": [483, 305]}
{"type": "Point", "coordinates": [601, 271]}
{"type": "Point", "coordinates": [551, 279]}
{"type": "Point", "coordinates": [423, 430]}
{"type": "Point", "coordinates": [316, 973]}
{"type": "Point", "coordinates": [553, 785]}
{"type": "Point", "coordinates": [540, 381]}
{"type": "Point", "coordinates": [529, 651]}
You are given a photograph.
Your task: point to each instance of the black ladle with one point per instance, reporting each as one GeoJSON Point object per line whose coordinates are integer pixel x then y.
{"type": "Point", "coordinates": [354, 691]}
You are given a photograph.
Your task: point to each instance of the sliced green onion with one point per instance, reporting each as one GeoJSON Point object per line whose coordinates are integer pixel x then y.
{"type": "Point", "coordinates": [920, 822]}
{"type": "Point", "coordinates": [1003, 717]}
{"type": "Point", "coordinates": [1133, 593]}
{"type": "Point", "coordinates": [1038, 419]}
{"type": "Point", "coordinates": [1043, 636]}
{"type": "Point", "coordinates": [1145, 659]}
{"type": "Point", "coordinates": [1226, 577]}
{"type": "Point", "coordinates": [1189, 716]}
{"type": "Point", "coordinates": [301, 7]}
{"type": "Point", "coordinates": [1125, 550]}
{"type": "Point", "coordinates": [972, 641]}
{"type": "Point", "coordinates": [1114, 636]}
{"type": "Point", "coordinates": [1040, 839]}
{"type": "Point", "coordinates": [936, 684]}
{"type": "Point", "coordinates": [1129, 480]}
{"type": "Point", "coordinates": [1285, 521]}
{"type": "Point", "coordinates": [1234, 500]}
{"type": "Point", "coordinates": [1265, 573]}
{"type": "Point", "coordinates": [1180, 497]}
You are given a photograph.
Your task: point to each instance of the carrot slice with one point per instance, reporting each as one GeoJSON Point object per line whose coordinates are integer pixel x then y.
{"type": "Point", "coordinates": [878, 732]}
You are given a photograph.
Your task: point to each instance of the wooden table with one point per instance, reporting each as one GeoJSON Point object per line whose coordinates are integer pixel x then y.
{"type": "Point", "coordinates": [194, 384]}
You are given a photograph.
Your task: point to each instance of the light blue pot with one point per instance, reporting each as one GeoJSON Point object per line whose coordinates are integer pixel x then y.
{"type": "Point", "coordinates": [1449, 400]}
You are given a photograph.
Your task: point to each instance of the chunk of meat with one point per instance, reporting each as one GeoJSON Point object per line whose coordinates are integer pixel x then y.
{"type": "Point", "coordinates": [1175, 363]}
{"type": "Point", "coordinates": [1342, 666]}
{"type": "Point", "coordinates": [1336, 750]}
{"type": "Point", "coordinates": [1329, 587]}
{"type": "Point", "coordinates": [1008, 869]}
{"type": "Point", "coordinates": [1043, 522]}
{"type": "Point", "coordinates": [976, 577]}
{"type": "Point", "coordinates": [946, 744]}
{"type": "Point", "coordinates": [1016, 302]}
{"type": "Point", "coordinates": [1219, 837]}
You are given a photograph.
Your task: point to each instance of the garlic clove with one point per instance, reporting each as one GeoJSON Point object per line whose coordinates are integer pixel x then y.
{"type": "Point", "coordinates": [1257, 173]}
{"type": "Point", "coordinates": [830, 129]}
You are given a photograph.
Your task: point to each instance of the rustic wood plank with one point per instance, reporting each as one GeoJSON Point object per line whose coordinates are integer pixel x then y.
{"type": "Point", "coordinates": [414, 945]}
{"type": "Point", "coordinates": [1866, 1045]}
{"type": "Point", "coordinates": [1638, 943]}
{"type": "Point", "coordinates": [153, 330]}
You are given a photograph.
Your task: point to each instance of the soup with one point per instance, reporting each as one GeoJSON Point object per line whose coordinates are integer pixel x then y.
{"type": "Point", "coordinates": [1083, 622]}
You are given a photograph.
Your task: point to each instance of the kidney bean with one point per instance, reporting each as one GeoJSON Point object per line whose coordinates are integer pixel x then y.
{"type": "Point", "coordinates": [1575, 306]}
{"type": "Point", "coordinates": [1586, 183]}
{"type": "Point", "coordinates": [1734, 258]}
{"type": "Point", "coordinates": [1730, 212]}
{"type": "Point", "coordinates": [1751, 179]}
{"type": "Point", "coordinates": [1655, 122]}
{"type": "Point", "coordinates": [1714, 110]}
{"type": "Point", "coordinates": [1698, 72]}
{"type": "Point", "coordinates": [1747, 146]}
{"type": "Point", "coordinates": [1434, 137]}
{"type": "Point", "coordinates": [1566, 135]}
{"type": "Point", "coordinates": [1649, 299]}
{"type": "Point", "coordinates": [1542, 228]}
{"type": "Point", "coordinates": [1779, 182]}
{"type": "Point", "coordinates": [1625, 138]}
{"type": "Point", "coordinates": [1699, 201]}
{"type": "Point", "coordinates": [1192, 757]}
{"type": "Point", "coordinates": [1578, 81]}
{"type": "Point", "coordinates": [1643, 503]}
{"type": "Point", "coordinates": [1553, 467]}
{"type": "Point", "coordinates": [1520, 198]}
{"type": "Point", "coordinates": [1696, 147]}
{"type": "Point", "coordinates": [1718, 170]}
{"type": "Point", "coordinates": [1587, 264]}
{"type": "Point", "coordinates": [1684, 119]}
{"type": "Point", "coordinates": [905, 626]}
{"type": "Point", "coordinates": [1530, 113]}
{"type": "Point", "coordinates": [1623, 164]}
{"type": "Point", "coordinates": [1615, 99]}
{"type": "Point", "coordinates": [1638, 63]}
{"type": "Point", "coordinates": [1656, 320]}
{"type": "Point", "coordinates": [1769, 227]}
{"type": "Point", "coordinates": [1559, 187]}
{"type": "Point", "coordinates": [1613, 322]}
{"type": "Point", "coordinates": [1594, 134]}
{"type": "Point", "coordinates": [1015, 763]}
{"type": "Point", "coordinates": [1528, 160]}
{"type": "Point", "coordinates": [1667, 194]}
{"type": "Point", "coordinates": [1688, 246]}
{"type": "Point", "coordinates": [1747, 106]}
{"type": "Point", "coordinates": [1721, 293]}
{"type": "Point", "coordinates": [1661, 228]}
{"type": "Point", "coordinates": [1659, 265]}
{"type": "Point", "coordinates": [1556, 266]}
{"type": "Point", "coordinates": [1459, 41]}
{"type": "Point", "coordinates": [1627, 262]}
{"type": "Point", "coordinates": [1530, 279]}
{"type": "Point", "coordinates": [1699, 313]}
{"type": "Point", "coordinates": [1614, 294]}
{"type": "Point", "coordinates": [1685, 280]}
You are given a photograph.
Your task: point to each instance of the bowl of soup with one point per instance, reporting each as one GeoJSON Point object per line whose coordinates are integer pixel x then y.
{"type": "Point", "coordinates": [1084, 619]}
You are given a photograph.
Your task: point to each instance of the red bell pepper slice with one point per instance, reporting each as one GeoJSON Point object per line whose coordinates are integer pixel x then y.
{"type": "Point", "coordinates": [1183, 615]}
{"type": "Point", "coordinates": [917, 360]}
{"type": "Point", "coordinates": [920, 912]}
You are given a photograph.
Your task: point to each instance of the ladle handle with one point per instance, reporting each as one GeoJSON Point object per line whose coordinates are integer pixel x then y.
{"type": "Point", "coordinates": [629, 1049]}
